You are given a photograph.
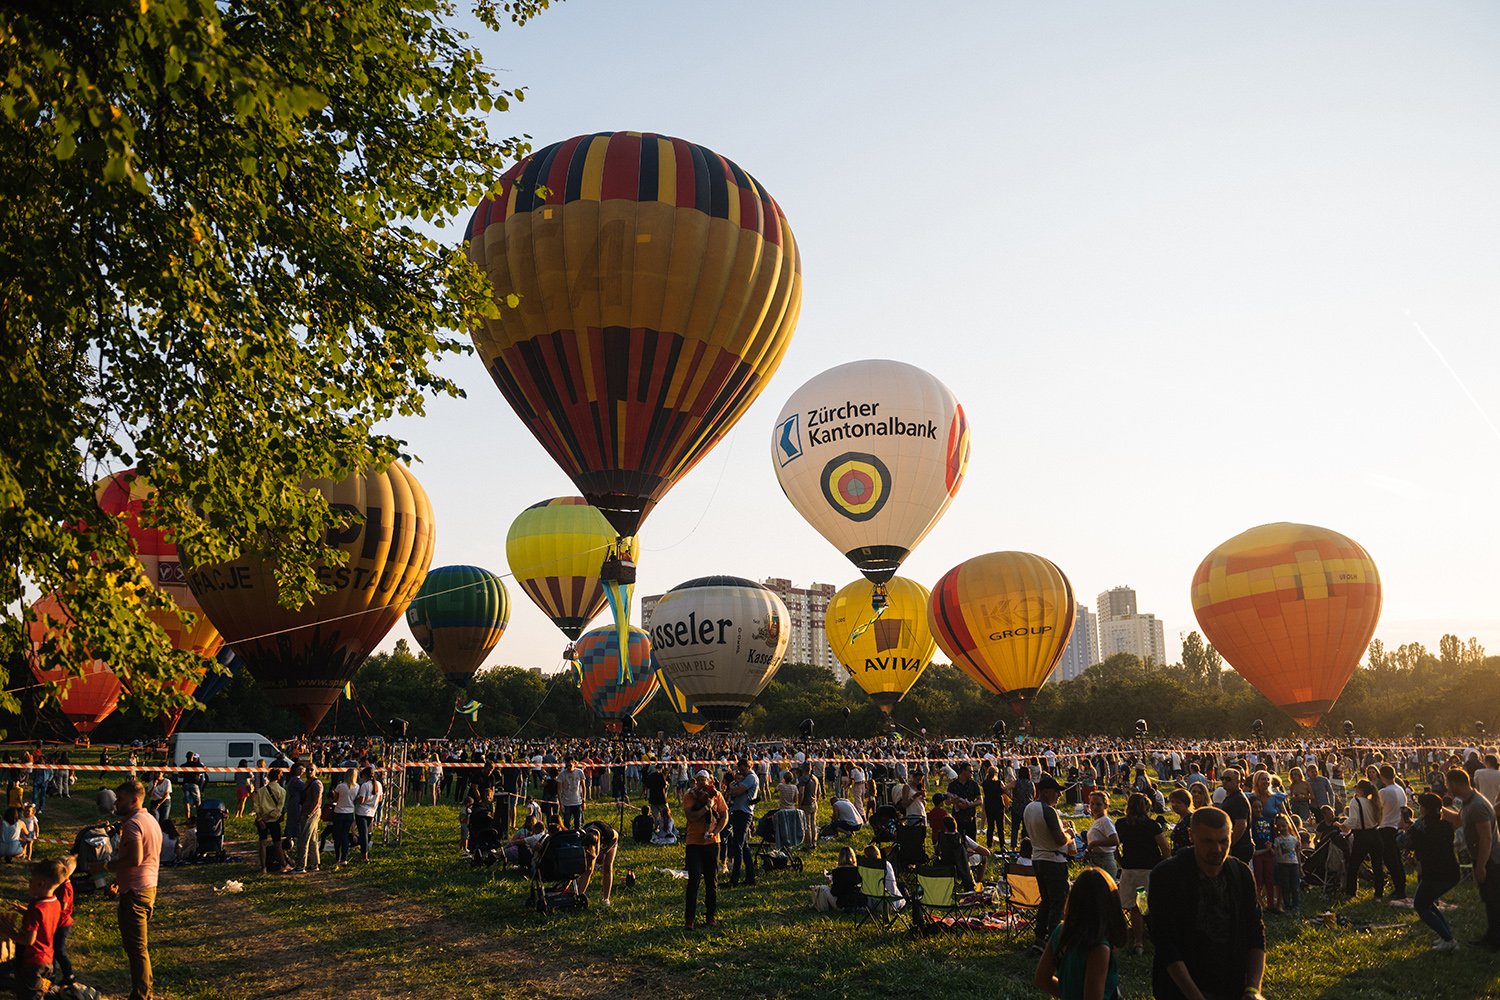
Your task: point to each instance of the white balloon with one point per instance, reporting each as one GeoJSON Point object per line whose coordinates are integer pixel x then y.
{"type": "Point", "coordinates": [871, 453]}
{"type": "Point", "coordinates": [720, 639]}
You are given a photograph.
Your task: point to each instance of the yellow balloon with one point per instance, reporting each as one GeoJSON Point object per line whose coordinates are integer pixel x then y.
{"type": "Point", "coordinates": [1005, 619]}
{"type": "Point", "coordinates": [887, 654]}
{"type": "Point", "coordinates": [555, 550]}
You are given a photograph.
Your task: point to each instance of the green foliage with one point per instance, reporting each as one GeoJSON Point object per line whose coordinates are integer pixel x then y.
{"type": "Point", "coordinates": [209, 269]}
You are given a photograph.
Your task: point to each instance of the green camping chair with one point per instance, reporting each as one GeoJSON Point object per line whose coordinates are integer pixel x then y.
{"type": "Point", "coordinates": [881, 907]}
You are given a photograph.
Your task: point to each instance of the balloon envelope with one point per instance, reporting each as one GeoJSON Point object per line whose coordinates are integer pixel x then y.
{"type": "Point", "coordinates": [871, 453]}
{"type": "Point", "coordinates": [85, 701]}
{"type": "Point", "coordinates": [687, 713]}
{"type": "Point", "coordinates": [599, 660]}
{"type": "Point", "coordinates": [1292, 607]}
{"type": "Point", "coordinates": [1005, 619]}
{"type": "Point", "coordinates": [885, 655]}
{"type": "Point", "coordinates": [458, 616]}
{"type": "Point", "coordinates": [654, 286]}
{"type": "Point", "coordinates": [215, 684]}
{"type": "Point", "coordinates": [304, 656]}
{"type": "Point", "coordinates": [721, 640]}
{"type": "Point", "coordinates": [555, 549]}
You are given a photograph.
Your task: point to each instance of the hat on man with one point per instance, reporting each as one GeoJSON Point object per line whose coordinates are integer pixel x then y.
{"type": "Point", "coordinates": [1048, 784]}
{"type": "Point", "coordinates": [703, 774]}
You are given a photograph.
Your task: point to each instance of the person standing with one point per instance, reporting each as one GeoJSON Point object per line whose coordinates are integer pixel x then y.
{"type": "Point", "coordinates": [1362, 823]}
{"type": "Point", "coordinates": [269, 805]}
{"type": "Point", "coordinates": [1206, 925]}
{"type": "Point", "coordinates": [193, 779]}
{"type": "Point", "coordinates": [1476, 817]}
{"type": "Point", "coordinates": [655, 783]}
{"type": "Point", "coordinates": [809, 791]}
{"type": "Point", "coordinates": [1022, 791]}
{"type": "Point", "coordinates": [1431, 840]}
{"type": "Point", "coordinates": [742, 795]}
{"type": "Point", "coordinates": [964, 800]}
{"type": "Point", "coordinates": [1051, 847]}
{"type": "Point", "coordinates": [992, 791]}
{"type": "Point", "coordinates": [1392, 801]}
{"type": "Point", "coordinates": [343, 816]}
{"type": "Point", "coordinates": [136, 865]}
{"type": "Point", "coordinates": [572, 792]}
{"type": "Point", "coordinates": [309, 814]}
{"type": "Point", "coordinates": [367, 798]}
{"type": "Point", "coordinates": [706, 814]}
{"type": "Point", "coordinates": [1236, 805]}
{"type": "Point", "coordinates": [1102, 838]}
{"type": "Point", "coordinates": [161, 797]}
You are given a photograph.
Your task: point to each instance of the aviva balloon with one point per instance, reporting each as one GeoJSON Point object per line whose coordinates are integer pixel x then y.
{"type": "Point", "coordinates": [1292, 607]}
{"type": "Point", "coordinates": [720, 639]}
{"type": "Point", "coordinates": [871, 453]}
{"type": "Point", "coordinates": [1005, 618]}
{"type": "Point", "coordinates": [304, 656]}
{"type": "Point", "coordinates": [598, 660]}
{"type": "Point", "coordinates": [85, 701]}
{"type": "Point", "coordinates": [648, 288]}
{"type": "Point", "coordinates": [125, 495]}
{"type": "Point", "coordinates": [457, 617]}
{"type": "Point", "coordinates": [885, 652]}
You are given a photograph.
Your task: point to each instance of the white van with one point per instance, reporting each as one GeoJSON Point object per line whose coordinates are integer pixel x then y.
{"type": "Point", "coordinates": [222, 750]}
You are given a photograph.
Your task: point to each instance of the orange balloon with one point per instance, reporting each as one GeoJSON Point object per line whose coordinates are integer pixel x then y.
{"type": "Point", "coordinates": [88, 700]}
{"type": "Point", "coordinates": [1292, 607]}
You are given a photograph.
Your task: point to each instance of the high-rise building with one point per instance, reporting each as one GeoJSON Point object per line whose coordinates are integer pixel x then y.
{"type": "Point", "coordinates": [806, 608]}
{"type": "Point", "coordinates": [1082, 651]}
{"type": "Point", "coordinates": [1122, 629]}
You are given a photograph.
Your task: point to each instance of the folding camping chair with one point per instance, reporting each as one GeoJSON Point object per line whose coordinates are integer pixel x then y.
{"type": "Point", "coordinates": [911, 845]}
{"type": "Point", "coordinates": [881, 906]}
{"type": "Point", "coordinates": [936, 903]}
{"type": "Point", "coordinates": [1023, 897]}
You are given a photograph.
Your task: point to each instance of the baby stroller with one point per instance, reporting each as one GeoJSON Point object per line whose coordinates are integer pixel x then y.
{"type": "Point", "coordinates": [209, 824]}
{"type": "Point", "coordinates": [780, 834]}
{"type": "Point", "coordinates": [883, 825]}
{"type": "Point", "coordinates": [484, 841]}
{"type": "Point", "coordinates": [560, 861]}
{"type": "Point", "coordinates": [94, 849]}
{"type": "Point", "coordinates": [1325, 868]}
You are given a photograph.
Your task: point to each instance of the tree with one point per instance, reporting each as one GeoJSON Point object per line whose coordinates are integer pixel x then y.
{"type": "Point", "coordinates": [210, 269]}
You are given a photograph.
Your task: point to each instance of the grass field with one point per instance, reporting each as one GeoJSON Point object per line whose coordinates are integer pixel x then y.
{"type": "Point", "coordinates": [419, 921]}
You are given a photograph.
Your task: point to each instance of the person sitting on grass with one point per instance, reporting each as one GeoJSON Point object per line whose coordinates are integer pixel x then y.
{"type": "Point", "coordinates": [36, 936]}
{"type": "Point", "coordinates": [844, 881]}
{"type": "Point", "coordinates": [11, 846]}
{"type": "Point", "coordinates": [1078, 962]}
{"type": "Point", "coordinates": [524, 842]}
{"type": "Point", "coordinates": [847, 819]}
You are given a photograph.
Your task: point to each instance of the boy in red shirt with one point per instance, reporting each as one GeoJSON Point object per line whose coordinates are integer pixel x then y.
{"type": "Point", "coordinates": [61, 963]}
{"type": "Point", "coordinates": [37, 932]}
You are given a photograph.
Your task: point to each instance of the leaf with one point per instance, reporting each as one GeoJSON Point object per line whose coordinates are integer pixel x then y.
{"type": "Point", "coordinates": [512, 300]}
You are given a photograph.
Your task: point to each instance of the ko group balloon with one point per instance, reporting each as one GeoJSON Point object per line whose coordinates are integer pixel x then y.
{"type": "Point", "coordinates": [1004, 619]}
{"type": "Point", "coordinates": [304, 656]}
{"type": "Point", "coordinates": [85, 701]}
{"type": "Point", "coordinates": [885, 653]}
{"type": "Point", "coordinates": [1292, 607]}
{"type": "Point", "coordinates": [720, 639]}
{"type": "Point", "coordinates": [871, 453]}
{"type": "Point", "coordinates": [599, 663]}
{"type": "Point", "coordinates": [457, 617]}
{"type": "Point", "coordinates": [648, 288]}
{"type": "Point", "coordinates": [124, 495]}
{"type": "Point", "coordinates": [555, 550]}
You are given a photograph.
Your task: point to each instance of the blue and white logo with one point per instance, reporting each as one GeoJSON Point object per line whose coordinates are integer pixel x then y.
{"type": "Point", "coordinates": [789, 439]}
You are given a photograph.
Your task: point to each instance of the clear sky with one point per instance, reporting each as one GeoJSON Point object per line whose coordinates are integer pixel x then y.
{"type": "Point", "coordinates": [1188, 267]}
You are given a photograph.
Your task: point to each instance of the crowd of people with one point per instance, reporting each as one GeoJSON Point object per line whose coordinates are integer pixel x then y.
{"type": "Point", "coordinates": [1214, 836]}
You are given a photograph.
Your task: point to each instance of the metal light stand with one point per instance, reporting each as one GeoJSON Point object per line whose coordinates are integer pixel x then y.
{"type": "Point", "coordinates": [392, 826]}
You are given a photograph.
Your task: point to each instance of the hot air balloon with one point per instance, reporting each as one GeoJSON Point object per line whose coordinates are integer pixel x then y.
{"type": "Point", "coordinates": [124, 494]}
{"type": "Point", "coordinates": [555, 549]}
{"type": "Point", "coordinates": [85, 701]}
{"type": "Point", "coordinates": [720, 639]}
{"type": "Point", "coordinates": [457, 617]}
{"type": "Point", "coordinates": [648, 289]}
{"type": "Point", "coordinates": [215, 684]}
{"type": "Point", "coordinates": [1292, 607]}
{"type": "Point", "coordinates": [871, 453]}
{"type": "Point", "coordinates": [598, 659]}
{"type": "Point", "coordinates": [885, 652]}
{"type": "Point", "coordinates": [1004, 619]}
{"type": "Point", "coordinates": [687, 713]}
{"type": "Point", "coordinates": [304, 656]}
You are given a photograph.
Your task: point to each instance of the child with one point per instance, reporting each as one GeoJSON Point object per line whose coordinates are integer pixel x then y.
{"type": "Point", "coordinates": [38, 932]}
{"type": "Point", "coordinates": [30, 829]}
{"type": "Point", "coordinates": [1287, 846]}
{"type": "Point", "coordinates": [60, 960]}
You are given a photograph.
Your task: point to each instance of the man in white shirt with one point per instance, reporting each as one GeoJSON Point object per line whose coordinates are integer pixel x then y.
{"type": "Point", "coordinates": [856, 784]}
{"type": "Point", "coordinates": [571, 789]}
{"type": "Point", "coordinates": [1392, 799]}
{"type": "Point", "coordinates": [1051, 847]}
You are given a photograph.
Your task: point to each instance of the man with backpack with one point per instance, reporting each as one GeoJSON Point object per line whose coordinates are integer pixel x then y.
{"type": "Point", "coordinates": [269, 804]}
{"type": "Point", "coordinates": [744, 791]}
{"type": "Point", "coordinates": [309, 815]}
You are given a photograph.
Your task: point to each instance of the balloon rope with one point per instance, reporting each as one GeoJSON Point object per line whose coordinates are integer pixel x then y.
{"type": "Point", "coordinates": [550, 685]}
{"type": "Point", "coordinates": [728, 448]}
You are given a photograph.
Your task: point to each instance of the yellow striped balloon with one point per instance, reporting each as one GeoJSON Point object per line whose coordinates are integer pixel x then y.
{"type": "Point", "coordinates": [1005, 619]}
{"type": "Point", "coordinates": [885, 653]}
{"type": "Point", "coordinates": [555, 549]}
{"type": "Point", "coordinates": [692, 720]}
